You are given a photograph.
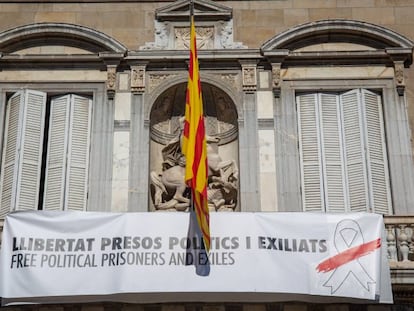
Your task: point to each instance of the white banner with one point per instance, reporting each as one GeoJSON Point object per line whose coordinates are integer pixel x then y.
{"type": "Point", "coordinates": [140, 257]}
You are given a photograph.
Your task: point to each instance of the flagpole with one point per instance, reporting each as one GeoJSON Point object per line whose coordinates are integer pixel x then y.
{"type": "Point", "coordinates": [194, 140]}
{"type": "Point", "coordinates": [192, 209]}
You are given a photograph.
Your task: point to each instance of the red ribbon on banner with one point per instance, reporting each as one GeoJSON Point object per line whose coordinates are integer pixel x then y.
{"type": "Point", "coordinates": [348, 255]}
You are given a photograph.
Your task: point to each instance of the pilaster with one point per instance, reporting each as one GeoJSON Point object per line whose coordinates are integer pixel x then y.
{"type": "Point", "coordinates": [249, 148]}
{"type": "Point", "coordinates": [139, 143]}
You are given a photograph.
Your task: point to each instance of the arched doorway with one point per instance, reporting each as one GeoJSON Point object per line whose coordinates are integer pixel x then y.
{"type": "Point", "coordinates": [167, 163]}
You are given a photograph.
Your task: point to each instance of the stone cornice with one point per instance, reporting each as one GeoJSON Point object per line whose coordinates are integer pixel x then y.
{"type": "Point", "coordinates": [202, 54]}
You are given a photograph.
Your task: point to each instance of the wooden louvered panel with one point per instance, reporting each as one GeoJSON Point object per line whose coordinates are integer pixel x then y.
{"type": "Point", "coordinates": [7, 190]}
{"type": "Point", "coordinates": [332, 153]}
{"type": "Point", "coordinates": [78, 153]}
{"type": "Point", "coordinates": [376, 154]}
{"type": "Point", "coordinates": [31, 148]}
{"type": "Point", "coordinates": [10, 156]}
{"type": "Point", "coordinates": [56, 156]}
{"type": "Point", "coordinates": [309, 145]}
{"type": "Point", "coordinates": [354, 151]}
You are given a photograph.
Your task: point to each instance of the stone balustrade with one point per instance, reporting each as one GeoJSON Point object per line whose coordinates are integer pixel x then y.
{"type": "Point", "coordinates": [400, 241]}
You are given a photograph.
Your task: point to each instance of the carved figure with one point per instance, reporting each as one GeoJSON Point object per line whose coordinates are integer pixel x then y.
{"type": "Point", "coordinates": [223, 182]}
{"type": "Point", "coordinates": [169, 191]}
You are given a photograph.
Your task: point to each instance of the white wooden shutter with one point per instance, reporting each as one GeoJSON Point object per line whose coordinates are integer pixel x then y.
{"type": "Point", "coordinates": [355, 162]}
{"type": "Point", "coordinates": [378, 180]}
{"type": "Point", "coordinates": [54, 191]}
{"type": "Point", "coordinates": [332, 151]}
{"type": "Point", "coordinates": [68, 153]}
{"type": "Point", "coordinates": [309, 149]}
{"type": "Point", "coordinates": [23, 147]}
{"type": "Point", "coordinates": [31, 149]}
{"type": "Point", "coordinates": [10, 158]}
{"type": "Point", "coordinates": [78, 153]}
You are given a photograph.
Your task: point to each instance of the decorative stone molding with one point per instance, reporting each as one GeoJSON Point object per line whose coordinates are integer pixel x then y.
{"type": "Point", "coordinates": [205, 37]}
{"type": "Point", "coordinates": [162, 34]}
{"type": "Point", "coordinates": [399, 77]}
{"type": "Point", "coordinates": [249, 77]}
{"type": "Point", "coordinates": [276, 67]}
{"type": "Point", "coordinates": [232, 79]}
{"type": "Point", "coordinates": [340, 29]}
{"type": "Point", "coordinates": [225, 36]}
{"type": "Point", "coordinates": [111, 81]}
{"type": "Point", "coordinates": [210, 35]}
{"type": "Point", "coordinates": [63, 33]}
{"type": "Point", "coordinates": [138, 79]}
{"type": "Point", "coordinates": [382, 45]}
{"type": "Point", "coordinates": [203, 10]}
{"type": "Point", "coordinates": [214, 27]}
{"type": "Point", "coordinates": [112, 61]}
{"type": "Point", "coordinates": [157, 79]}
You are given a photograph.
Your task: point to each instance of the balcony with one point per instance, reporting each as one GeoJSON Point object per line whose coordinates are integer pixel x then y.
{"type": "Point", "coordinates": [400, 253]}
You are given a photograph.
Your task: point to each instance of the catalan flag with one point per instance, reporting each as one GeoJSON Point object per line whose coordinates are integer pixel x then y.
{"type": "Point", "coordinates": [194, 142]}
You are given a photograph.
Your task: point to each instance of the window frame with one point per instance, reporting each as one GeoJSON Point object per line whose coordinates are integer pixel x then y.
{"type": "Point", "coordinates": [335, 110]}
{"type": "Point", "coordinates": [101, 136]}
{"type": "Point", "coordinates": [397, 139]}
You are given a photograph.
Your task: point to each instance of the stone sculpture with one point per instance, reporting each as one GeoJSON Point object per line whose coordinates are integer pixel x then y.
{"type": "Point", "coordinates": [169, 191]}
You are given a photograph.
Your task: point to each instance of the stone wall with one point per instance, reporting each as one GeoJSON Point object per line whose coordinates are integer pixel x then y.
{"type": "Point", "coordinates": [132, 23]}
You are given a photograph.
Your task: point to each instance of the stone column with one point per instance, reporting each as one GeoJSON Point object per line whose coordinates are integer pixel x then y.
{"type": "Point", "coordinates": [249, 148]}
{"type": "Point", "coordinates": [100, 191]}
{"type": "Point", "coordinates": [286, 144]}
{"type": "Point", "coordinates": [399, 143]}
{"type": "Point", "coordinates": [139, 144]}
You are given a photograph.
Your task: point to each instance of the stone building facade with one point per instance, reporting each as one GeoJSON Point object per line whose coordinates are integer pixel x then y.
{"type": "Point", "coordinates": [284, 83]}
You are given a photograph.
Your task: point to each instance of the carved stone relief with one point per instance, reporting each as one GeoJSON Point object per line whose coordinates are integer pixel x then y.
{"type": "Point", "coordinates": [111, 81]}
{"type": "Point", "coordinates": [137, 78]}
{"type": "Point", "coordinates": [157, 79]}
{"type": "Point", "coordinates": [205, 38]}
{"type": "Point", "coordinates": [249, 77]}
{"type": "Point", "coordinates": [276, 67]}
{"type": "Point", "coordinates": [399, 76]}
{"type": "Point", "coordinates": [168, 190]}
{"type": "Point", "coordinates": [232, 79]}
{"type": "Point", "coordinates": [161, 34]}
{"type": "Point", "coordinates": [225, 36]}
{"type": "Point", "coordinates": [176, 35]}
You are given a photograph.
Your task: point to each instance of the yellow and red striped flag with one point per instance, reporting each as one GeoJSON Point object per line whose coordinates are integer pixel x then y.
{"type": "Point", "coordinates": [194, 142]}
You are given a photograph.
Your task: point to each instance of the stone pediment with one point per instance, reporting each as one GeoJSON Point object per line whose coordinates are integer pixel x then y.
{"type": "Point", "coordinates": [214, 27]}
{"type": "Point", "coordinates": [203, 11]}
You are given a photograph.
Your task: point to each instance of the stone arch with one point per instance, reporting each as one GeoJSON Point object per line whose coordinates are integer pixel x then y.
{"type": "Point", "coordinates": [337, 30]}
{"type": "Point", "coordinates": [58, 34]}
{"type": "Point", "coordinates": [178, 78]}
{"type": "Point", "coordinates": [221, 116]}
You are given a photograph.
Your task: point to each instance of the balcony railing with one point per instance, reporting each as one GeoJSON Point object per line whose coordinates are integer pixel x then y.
{"type": "Point", "coordinates": [400, 241]}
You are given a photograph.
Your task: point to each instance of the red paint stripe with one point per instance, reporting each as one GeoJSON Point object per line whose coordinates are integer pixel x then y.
{"type": "Point", "coordinates": [348, 255]}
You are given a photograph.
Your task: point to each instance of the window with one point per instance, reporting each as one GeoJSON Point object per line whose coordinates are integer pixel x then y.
{"type": "Point", "coordinates": [342, 152]}
{"type": "Point", "coordinates": [45, 152]}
